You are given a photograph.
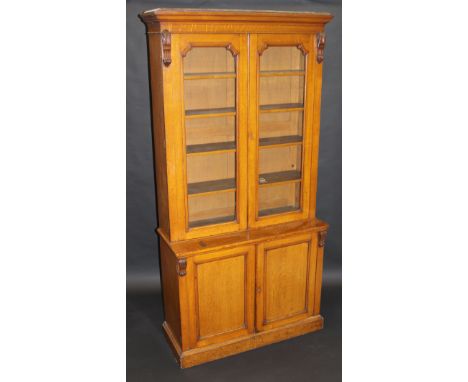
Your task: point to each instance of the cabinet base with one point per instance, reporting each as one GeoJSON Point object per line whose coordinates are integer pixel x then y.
{"type": "Point", "coordinates": [197, 356]}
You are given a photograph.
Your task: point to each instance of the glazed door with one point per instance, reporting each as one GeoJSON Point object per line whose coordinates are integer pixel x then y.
{"type": "Point", "coordinates": [280, 127]}
{"type": "Point", "coordinates": [221, 295]}
{"type": "Point", "coordinates": [286, 281]}
{"type": "Point", "coordinates": [211, 166]}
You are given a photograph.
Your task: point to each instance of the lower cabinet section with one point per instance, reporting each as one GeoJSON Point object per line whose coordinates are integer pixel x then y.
{"type": "Point", "coordinates": [239, 298]}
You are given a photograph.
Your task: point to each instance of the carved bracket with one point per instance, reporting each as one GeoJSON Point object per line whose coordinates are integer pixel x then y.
{"type": "Point", "coordinates": [181, 267]}
{"type": "Point", "coordinates": [166, 47]}
{"type": "Point", "coordinates": [320, 46]}
{"type": "Point", "coordinates": [322, 238]}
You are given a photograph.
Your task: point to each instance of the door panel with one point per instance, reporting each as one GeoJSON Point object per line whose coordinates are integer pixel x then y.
{"type": "Point", "coordinates": [211, 163]}
{"type": "Point", "coordinates": [280, 128]}
{"type": "Point", "coordinates": [222, 302]}
{"type": "Point", "coordinates": [286, 272]}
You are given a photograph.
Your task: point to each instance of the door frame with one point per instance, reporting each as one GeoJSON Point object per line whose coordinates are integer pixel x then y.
{"type": "Point", "coordinates": [176, 136]}
{"type": "Point", "coordinates": [257, 44]}
{"type": "Point", "coordinates": [248, 251]}
{"type": "Point", "coordinates": [309, 306]}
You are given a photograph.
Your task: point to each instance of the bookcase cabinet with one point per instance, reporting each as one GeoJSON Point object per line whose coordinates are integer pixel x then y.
{"type": "Point", "coordinates": [236, 119]}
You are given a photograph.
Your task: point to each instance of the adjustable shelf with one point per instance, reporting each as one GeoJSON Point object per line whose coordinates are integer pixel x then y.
{"type": "Point", "coordinates": [281, 107]}
{"type": "Point", "coordinates": [277, 210]}
{"type": "Point", "coordinates": [216, 220]}
{"type": "Point", "coordinates": [212, 186]}
{"type": "Point", "coordinates": [284, 140]}
{"type": "Point", "coordinates": [215, 112]}
{"type": "Point", "coordinates": [279, 177]}
{"type": "Point", "coordinates": [211, 148]}
{"type": "Point", "coordinates": [281, 73]}
{"type": "Point", "coordinates": [209, 76]}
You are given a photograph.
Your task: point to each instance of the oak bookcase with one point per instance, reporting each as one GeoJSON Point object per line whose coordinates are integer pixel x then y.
{"type": "Point", "coordinates": [236, 119]}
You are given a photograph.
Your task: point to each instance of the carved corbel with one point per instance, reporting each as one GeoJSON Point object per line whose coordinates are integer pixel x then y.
{"type": "Point", "coordinates": [166, 47]}
{"type": "Point", "coordinates": [181, 267]}
{"type": "Point", "coordinates": [322, 238]}
{"type": "Point", "coordinates": [232, 49]}
{"type": "Point", "coordinates": [320, 46]}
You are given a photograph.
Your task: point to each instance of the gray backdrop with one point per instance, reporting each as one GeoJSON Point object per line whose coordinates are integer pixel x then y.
{"type": "Point", "coordinates": [142, 243]}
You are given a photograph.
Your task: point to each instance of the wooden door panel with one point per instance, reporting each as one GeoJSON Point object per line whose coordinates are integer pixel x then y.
{"type": "Point", "coordinates": [222, 302]}
{"type": "Point", "coordinates": [218, 280]}
{"type": "Point", "coordinates": [206, 134]}
{"type": "Point", "coordinates": [285, 280]}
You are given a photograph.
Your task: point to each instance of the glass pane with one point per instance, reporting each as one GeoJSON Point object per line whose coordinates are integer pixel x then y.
{"type": "Point", "coordinates": [286, 125]}
{"type": "Point", "coordinates": [279, 198]}
{"type": "Point", "coordinates": [210, 134]}
{"type": "Point", "coordinates": [212, 209]}
{"type": "Point", "coordinates": [280, 159]}
{"type": "Point", "coordinates": [282, 58]}
{"type": "Point", "coordinates": [209, 60]}
{"type": "Point", "coordinates": [203, 134]}
{"type": "Point", "coordinates": [281, 119]}
{"type": "Point", "coordinates": [209, 94]}
{"type": "Point", "coordinates": [211, 167]}
{"type": "Point", "coordinates": [283, 92]}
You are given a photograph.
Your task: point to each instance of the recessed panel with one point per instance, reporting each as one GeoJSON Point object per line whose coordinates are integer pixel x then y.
{"type": "Point", "coordinates": [286, 286]}
{"type": "Point", "coordinates": [221, 296]}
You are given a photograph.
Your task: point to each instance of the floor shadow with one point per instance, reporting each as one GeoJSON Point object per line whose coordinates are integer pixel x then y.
{"type": "Point", "coordinates": [312, 357]}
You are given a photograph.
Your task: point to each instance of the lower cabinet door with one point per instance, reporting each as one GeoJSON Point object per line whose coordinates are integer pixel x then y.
{"type": "Point", "coordinates": [221, 288]}
{"type": "Point", "coordinates": [286, 274]}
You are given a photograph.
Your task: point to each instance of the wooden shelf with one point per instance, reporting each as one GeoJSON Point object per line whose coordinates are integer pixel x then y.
{"type": "Point", "coordinates": [285, 140]}
{"type": "Point", "coordinates": [277, 210]}
{"type": "Point", "coordinates": [281, 73]}
{"type": "Point", "coordinates": [210, 148]}
{"type": "Point", "coordinates": [281, 107]}
{"type": "Point", "coordinates": [212, 186]}
{"type": "Point", "coordinates": [279, 177]}
{"type": "Point", "coordinates": [204, 113]}
{"type": "Point", "coordinates": [209, 76]}
{"type": "Point", "coordinates": [217, 220]}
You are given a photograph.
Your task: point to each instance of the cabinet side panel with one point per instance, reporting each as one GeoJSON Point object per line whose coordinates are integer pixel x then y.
{"type": "Point", "coordinates": [170, 288]}
{"type": "Point", "coordinates": [318, 276]}
{"type": "Point", "coordinates": [317, 84]}
{"type": "Point", "coordinates": [159, 137]}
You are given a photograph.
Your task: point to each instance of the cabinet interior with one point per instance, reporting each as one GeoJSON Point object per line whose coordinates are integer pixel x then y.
{"type": "Point", "coordinates": [210, 107]}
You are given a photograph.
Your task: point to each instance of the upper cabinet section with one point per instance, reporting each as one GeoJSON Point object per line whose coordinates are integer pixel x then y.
{"type": "Point", "coordinates": [205, 107]}
{"type": "Point", "coordinates": [236, 102]}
